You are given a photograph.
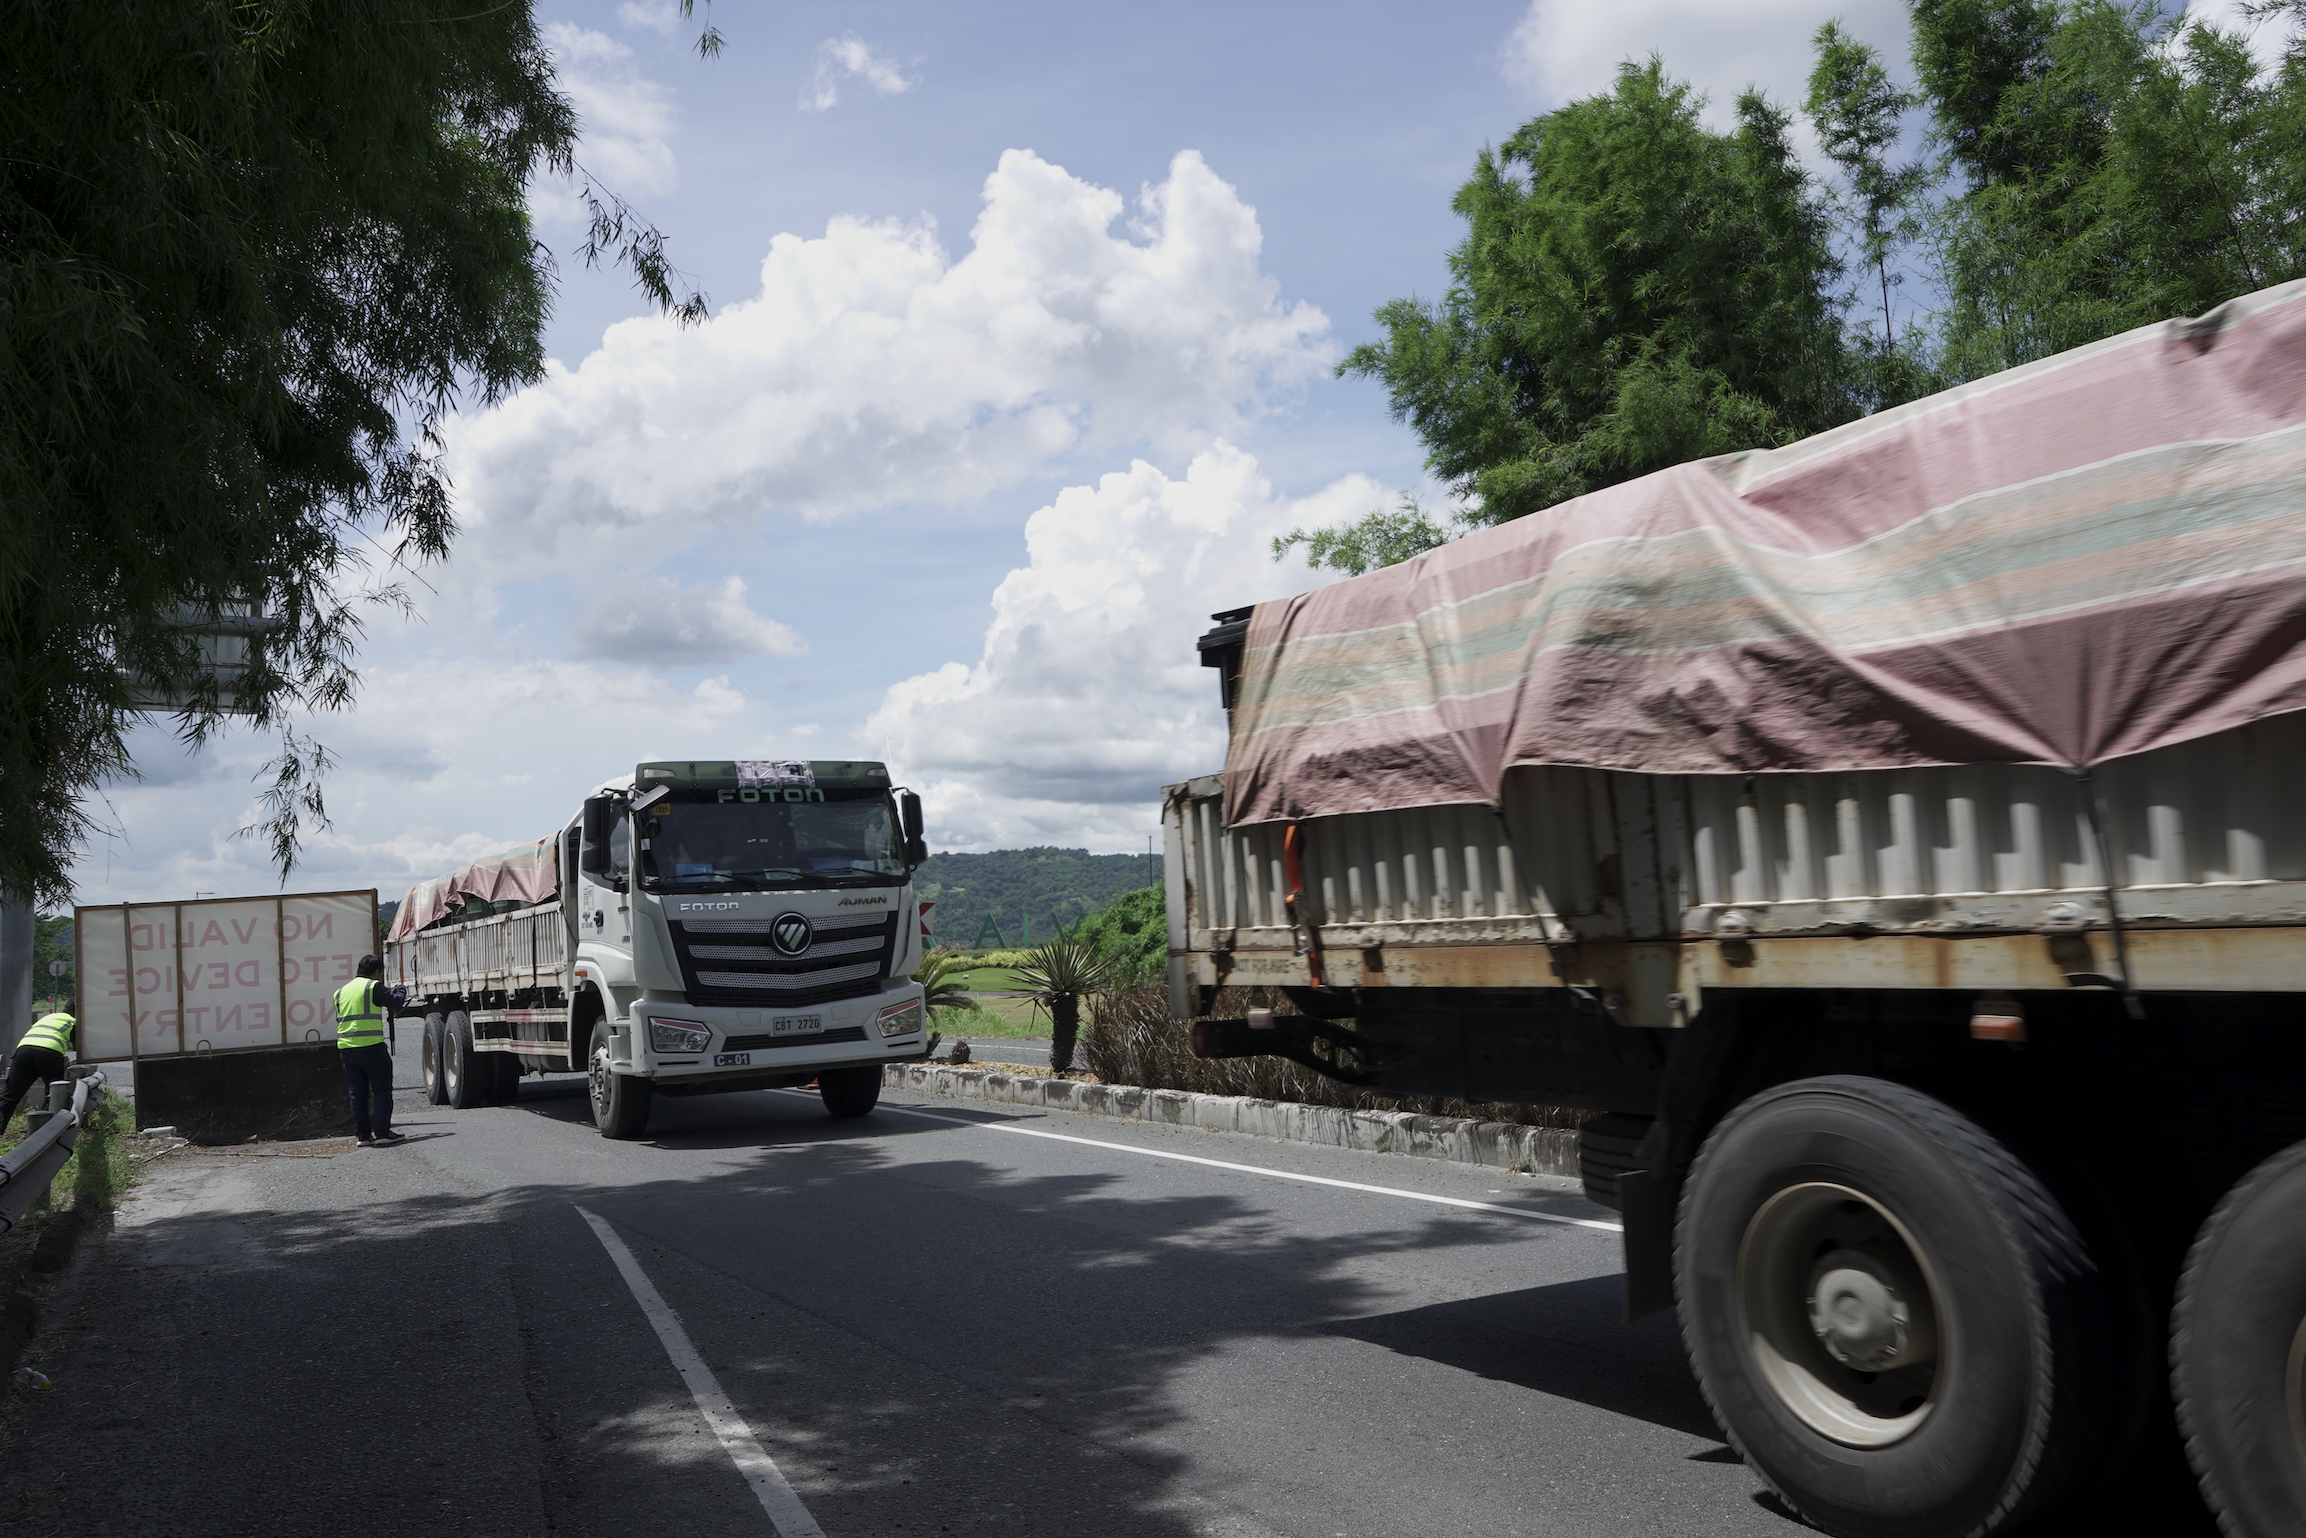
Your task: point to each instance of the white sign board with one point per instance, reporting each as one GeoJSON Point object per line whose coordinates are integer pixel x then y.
{"type": "Point", "coordinates": [157, 979]}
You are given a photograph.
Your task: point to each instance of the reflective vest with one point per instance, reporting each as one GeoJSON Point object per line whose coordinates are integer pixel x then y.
{"type": "Point", "coordinates": [51, 1031]}
{"type": "Point", "coordinates": [359, 1019]}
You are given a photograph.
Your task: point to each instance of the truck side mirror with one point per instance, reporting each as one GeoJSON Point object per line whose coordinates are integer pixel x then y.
{"type": "Point", "coordinates": [909, 813]}
{"type": "Point", "coordinates": [593, 853]}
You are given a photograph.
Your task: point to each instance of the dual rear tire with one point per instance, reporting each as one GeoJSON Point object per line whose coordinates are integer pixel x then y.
{"type": "Point", "coordinates": [465, 1076]}
{"type": "Point", "coordinates": [1894, 1320]}
{"type": "Point", "coordinates": [2238, 1352]}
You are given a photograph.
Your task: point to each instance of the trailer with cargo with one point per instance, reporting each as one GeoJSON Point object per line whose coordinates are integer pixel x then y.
{"type": "Point", "coordinates": [696, 928]}
{"type": "Point", "coordinates": [1896, 843]}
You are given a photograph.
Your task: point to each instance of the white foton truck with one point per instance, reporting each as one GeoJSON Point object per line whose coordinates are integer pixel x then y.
{"type": "Point", "coordinates": [698, 928]}
{"type": "Point", "coordinates": [1898, 838]}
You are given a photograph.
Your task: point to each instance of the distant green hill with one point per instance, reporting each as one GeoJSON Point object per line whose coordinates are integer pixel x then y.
{"type": "Point", "coordinates": [1011, 897]}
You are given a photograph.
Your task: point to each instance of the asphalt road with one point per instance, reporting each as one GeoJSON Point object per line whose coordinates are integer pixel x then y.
{"type": "Point", "coordinates": [930, 1324]}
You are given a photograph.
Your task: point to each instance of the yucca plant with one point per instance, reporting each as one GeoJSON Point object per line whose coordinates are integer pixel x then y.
{"type": "Point", "coordinates": [940, 977]}
{"type": "Point", "coordinates": [1057, 974]}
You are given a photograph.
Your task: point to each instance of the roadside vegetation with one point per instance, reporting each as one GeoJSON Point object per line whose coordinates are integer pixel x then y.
{"type": "Point", "coordinates": [1637, 288]}
{"type": "Point", "coordinates": [255, 256]}
{"type": "Point", "coordinates": [84, 1191]}
{"type": "Point", "coordinates": [1130, 1039]}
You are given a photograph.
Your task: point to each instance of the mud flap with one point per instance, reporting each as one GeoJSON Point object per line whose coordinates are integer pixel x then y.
{"type": "Point", "coordinates": [1646, 1205]}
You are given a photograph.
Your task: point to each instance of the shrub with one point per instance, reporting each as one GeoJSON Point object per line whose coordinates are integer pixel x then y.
{"type": "Point", "coordinates": [1130, 1039]}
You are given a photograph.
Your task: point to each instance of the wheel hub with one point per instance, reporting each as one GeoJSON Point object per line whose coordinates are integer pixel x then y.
{"type": "Point", "coordinates": [598, 1081]}
{"type": "Point", "coordinates": [1840, 1314]}
{"type": "Point", "coordinates": [1856, 1311]}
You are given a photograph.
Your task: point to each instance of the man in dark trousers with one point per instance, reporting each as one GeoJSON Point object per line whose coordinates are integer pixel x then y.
{"type": "Point", "coordinates": [367, 1065]}
{"type": "Point", "coordinates": [40, 1058]}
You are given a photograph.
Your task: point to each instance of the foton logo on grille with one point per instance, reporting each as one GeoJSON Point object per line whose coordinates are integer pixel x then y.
{"type": "Point", "coordinates": [792, 933]}
{"type": "Point", "coordinates": [707, 907]}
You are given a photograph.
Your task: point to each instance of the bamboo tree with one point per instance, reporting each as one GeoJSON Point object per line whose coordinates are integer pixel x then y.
{"type": "Point", "coordinates": [252, 254]}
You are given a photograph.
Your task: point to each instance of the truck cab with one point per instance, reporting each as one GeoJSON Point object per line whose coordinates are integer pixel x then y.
{"type": "Point", "coordinates": [742, 925]}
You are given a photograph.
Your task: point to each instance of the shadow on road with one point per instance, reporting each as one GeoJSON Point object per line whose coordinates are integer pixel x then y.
{"type": "Point", "coordinates": [1568, 1340]}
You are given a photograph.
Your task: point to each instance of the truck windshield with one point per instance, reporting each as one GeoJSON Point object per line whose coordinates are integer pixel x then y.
{"type": "Point", "coordinates": [693, 839]}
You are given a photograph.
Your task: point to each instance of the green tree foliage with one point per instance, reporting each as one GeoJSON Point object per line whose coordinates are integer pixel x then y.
{"type": "Point", "coordinates": [52, 942]}
{"type": "Point", "coordinates": [1634, 289]}
{"type": "Point", "coordinates": [2115, 166]}
{"type": "Point", "coordinates": [1377, 539]}
{"type": "Point", "coordinates": [1055, 886]}
{"type": "Point", "coordinates": [251, 253]}
{"type": "Point", "coordinates": [1132, 934]}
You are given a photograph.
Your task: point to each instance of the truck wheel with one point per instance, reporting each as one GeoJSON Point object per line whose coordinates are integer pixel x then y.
{"type": "Point", "coordinates": [620, 1101]}
{"type": "Point", "coordinates": [1893, 1319]}
{"type": "Point", "coordinates": [850, 1091]}
{"type": "Point", "coordinates": [2238, 1352]}
{"type": "Point", "coordinates": [435, 1072]}
{"type": "Point", "coordinates": [504, 1076]}
{"type": "Point", "coordinates": [467, 1079]}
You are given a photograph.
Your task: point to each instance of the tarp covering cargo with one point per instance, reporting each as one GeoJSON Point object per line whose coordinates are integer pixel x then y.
{"type": "Point", "coordinates": [2087, 557]}
{"type": "Point", "coordinates": [526, 873]}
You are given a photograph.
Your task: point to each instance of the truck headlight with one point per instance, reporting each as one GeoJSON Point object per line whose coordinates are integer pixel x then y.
{"type": "Point", "coordinates": [679, 1035]}
{"type": "Point", "coordinates": [902, 1019]}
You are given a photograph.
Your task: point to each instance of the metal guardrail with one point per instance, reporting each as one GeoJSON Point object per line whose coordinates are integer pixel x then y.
{"type": "Point", "coordinates": [27, 1169]}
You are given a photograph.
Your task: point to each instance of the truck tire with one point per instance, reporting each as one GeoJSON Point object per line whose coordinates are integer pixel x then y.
{"type": "Point", "coordinates": [620, 1101]}
{"type": "Point", "coordinates": [468, 1078]}
{"type": "Point", "coordinates": [1607, 1147]}
{"type": "Point", "coordinates": [504, 1076]}
{"type": "Point", "coordinates": [850, 1091]}
{"type": "Point", "coordinates": [435, 1071]}
{"type": "Point", "coordinates": [2238, 1352]}
{"type": "Point", "coordinates": [1892, 1318]}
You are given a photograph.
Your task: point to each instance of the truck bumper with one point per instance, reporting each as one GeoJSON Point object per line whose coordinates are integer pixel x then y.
{"type": "Point", "coordinates": [748, 1043]}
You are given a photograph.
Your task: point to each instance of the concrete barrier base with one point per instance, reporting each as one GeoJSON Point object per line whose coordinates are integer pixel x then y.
{"type": "Point", "coordinates": [1490, 1144]}
{"type": "Point", "coordinates": [230, 1097]}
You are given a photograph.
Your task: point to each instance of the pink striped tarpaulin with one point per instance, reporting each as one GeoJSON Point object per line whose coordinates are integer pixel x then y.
{"type": "Point", "coordinates": [2083, 558]}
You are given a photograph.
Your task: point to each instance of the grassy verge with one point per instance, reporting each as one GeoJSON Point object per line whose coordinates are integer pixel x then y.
{"type": "Point", "coordinates": [988, 979]}
{"type": "Point", "coordinates": [101, 1168]}
{"type": "Point", "coordinates": [994, 1017]}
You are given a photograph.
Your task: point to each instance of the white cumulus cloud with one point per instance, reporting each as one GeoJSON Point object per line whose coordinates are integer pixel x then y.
{"type": "Point", "coordinates": [658, 16]}
{"type": "Point", "coordinates": [626, 120]}
{"type": "Point", "coordinates": [873, 369]}
{"type": "Point", "coordinates": [655, 619]}
{"type": "Point", "coordinates": [448, 756]}
{"type": "Point", "coordinates": [1562, 50]}
{"type": "Point", "coordinates": [1089, 696]}
{"type": "Point", "coordinates": [847, 58]}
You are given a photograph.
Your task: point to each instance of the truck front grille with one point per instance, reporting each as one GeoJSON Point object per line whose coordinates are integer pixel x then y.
{"type": "Point", "coordinates": [843, 962]}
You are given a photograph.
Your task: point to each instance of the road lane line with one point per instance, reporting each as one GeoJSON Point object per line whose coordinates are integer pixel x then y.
{"type": "Point", "coordinates": [787, 1515]}
{"type": "Point", "coordinates": [1254, 1169]}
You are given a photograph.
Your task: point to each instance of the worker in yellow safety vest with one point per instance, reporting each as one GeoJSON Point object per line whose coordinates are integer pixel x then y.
{"type": "Point", "coordinates": [40, 1057]}
{"type": "Point", "coordinates": [367, 1065]}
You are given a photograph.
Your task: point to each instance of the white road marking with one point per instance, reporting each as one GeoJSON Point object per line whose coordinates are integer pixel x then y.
{"type": "Point", "coordinates": [1254, 1169]}
{"type": "Point", "coordinates": [786, 1513]}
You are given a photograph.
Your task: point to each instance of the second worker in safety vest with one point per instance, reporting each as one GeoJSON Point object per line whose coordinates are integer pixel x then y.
{"type": "Point", "coordinates": [40, 1057]}
{"type": "Point", "coordinates": [367, 1065]}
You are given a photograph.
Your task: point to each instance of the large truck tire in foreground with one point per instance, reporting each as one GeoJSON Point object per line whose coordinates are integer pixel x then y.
{"type": "Point", "coordinates": [1899, 841]}
{"type": "Point", "coordinates": [696, 929]}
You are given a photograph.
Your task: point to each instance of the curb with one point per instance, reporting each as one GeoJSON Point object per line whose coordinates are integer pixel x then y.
{"type": "Point", "coordinates": [1489, 1144]}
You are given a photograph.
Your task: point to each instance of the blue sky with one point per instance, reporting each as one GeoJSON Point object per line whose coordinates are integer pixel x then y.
{"type": "Point", "coordinates": [1024, 322]}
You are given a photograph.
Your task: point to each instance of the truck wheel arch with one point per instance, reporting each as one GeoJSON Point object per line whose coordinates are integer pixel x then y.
{"type": "Point", "coordinates": [585, 1011]}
